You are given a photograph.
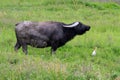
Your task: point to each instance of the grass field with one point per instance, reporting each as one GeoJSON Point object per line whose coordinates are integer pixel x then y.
{"type": "Point", "coordinates": [72, 61]}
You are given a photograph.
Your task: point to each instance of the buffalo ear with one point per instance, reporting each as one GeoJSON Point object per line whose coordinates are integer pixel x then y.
{"type": "Point", "coordinates": [71, 25]}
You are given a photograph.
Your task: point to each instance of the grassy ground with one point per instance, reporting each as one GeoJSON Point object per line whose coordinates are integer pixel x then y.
{"type": "Point", "coordinates": [72, 61]}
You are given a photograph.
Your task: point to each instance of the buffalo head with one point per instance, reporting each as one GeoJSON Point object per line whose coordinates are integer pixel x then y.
{"type": "Point", "coordinates": [78, 27]}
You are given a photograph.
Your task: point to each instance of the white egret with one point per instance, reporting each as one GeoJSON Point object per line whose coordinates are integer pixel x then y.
{"type": "Point", "coordinates": [94, 51]}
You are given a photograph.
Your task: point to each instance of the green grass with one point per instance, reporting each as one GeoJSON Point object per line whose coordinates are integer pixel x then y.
{"type": "Point", "coordinates": [73, 61]}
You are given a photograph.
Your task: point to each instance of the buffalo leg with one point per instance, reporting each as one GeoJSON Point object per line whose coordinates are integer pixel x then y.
{"type": "Point", "coordinates": [24, 48]}
{"type": "Point", "coordinates": [53, 50]}
{"type": "Point", "coordinates": [17, 46]}
{"type": "Point", "coordinates": [54, 47]}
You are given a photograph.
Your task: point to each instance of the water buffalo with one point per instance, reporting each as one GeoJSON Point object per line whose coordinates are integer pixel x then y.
{"type": "Point", "coordinates": [46, 34]}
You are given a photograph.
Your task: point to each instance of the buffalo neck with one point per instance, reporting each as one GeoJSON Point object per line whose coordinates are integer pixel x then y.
{"type": "Point", "coordinates": [69, 33]}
